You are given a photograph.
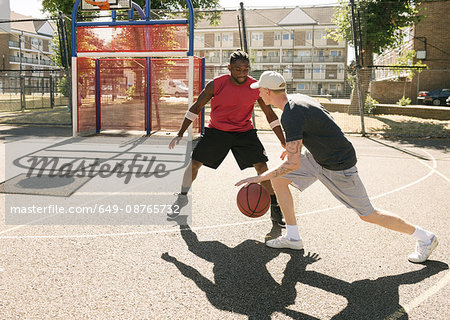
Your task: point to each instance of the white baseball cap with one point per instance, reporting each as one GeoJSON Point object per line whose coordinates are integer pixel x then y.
{"type": "Point", "coordinates": [271, 80]}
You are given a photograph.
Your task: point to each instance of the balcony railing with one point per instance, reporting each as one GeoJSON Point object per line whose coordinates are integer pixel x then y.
{"type": "Point", "coordinates": [32, 61]}
{"type": "Point", "coordinates": [314, 59]}
{"type": "Point", "coordinates": [212, 59]}
{"type": "Point", "coordinates": [267, 59]}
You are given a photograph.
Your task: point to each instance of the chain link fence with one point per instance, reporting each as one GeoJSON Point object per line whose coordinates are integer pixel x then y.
{"type": "Point", "coordinates": [33, 90]}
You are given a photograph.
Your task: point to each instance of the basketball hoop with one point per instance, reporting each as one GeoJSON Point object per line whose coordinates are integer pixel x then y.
{"type": "Point", "coordinates": [94, 5]}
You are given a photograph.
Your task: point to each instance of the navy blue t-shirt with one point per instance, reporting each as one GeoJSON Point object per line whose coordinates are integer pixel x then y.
{"type": "Point", "coordinates": [305, 118]}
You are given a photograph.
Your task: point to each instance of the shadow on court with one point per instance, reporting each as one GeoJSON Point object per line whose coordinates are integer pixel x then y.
{"type": "Point", "coordinates": [242, 283]}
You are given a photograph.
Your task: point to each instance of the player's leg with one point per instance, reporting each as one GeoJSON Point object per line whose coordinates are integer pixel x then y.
{"type": "Point", "coordinates": [189, 175]}
{"type": "Point", "coordinates": [301, 178]}
{"type": "Point", "coordinates": [426, 240]}
{"type": "Point", "coordinates": [275, 210]}
{"type": "Point", "coordinates": [347, 187]}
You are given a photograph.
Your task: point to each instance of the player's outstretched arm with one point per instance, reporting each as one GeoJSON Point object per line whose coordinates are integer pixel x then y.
{"type": "Point", "coordinates": [193, 112]}
{"type": "Point", "coordinates": [293, 150]}
{"type": "Point", "coordinates": [273, 121]}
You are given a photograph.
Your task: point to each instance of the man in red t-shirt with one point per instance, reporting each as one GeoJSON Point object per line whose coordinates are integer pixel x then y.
{"type": "Point", "coordinates": [230, 128]}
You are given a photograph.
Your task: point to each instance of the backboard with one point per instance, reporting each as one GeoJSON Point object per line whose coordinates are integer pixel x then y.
{"type": "Point", "coordinates": [94, 5]}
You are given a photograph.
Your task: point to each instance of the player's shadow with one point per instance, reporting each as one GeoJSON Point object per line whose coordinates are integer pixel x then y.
{"type": "Point", "coordinates": [372, 299]}
{"type": "Point", "coordinates": [242, 283]}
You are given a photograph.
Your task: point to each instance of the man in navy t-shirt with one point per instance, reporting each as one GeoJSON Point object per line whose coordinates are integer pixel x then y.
{"type": "Point", "coordinates": [329, 157]}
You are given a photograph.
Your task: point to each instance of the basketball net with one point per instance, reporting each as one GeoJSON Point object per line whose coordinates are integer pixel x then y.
{"type": "Point", "coordinates": [103, 5]}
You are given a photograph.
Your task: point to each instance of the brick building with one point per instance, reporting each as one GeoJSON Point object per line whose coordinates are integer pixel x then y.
{"type": "Point", "coordinates": [430, 38]}
{"type": "Point", "coordinates": [292, 41]}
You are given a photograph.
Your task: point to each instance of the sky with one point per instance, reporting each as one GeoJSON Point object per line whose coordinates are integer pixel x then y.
{"type": "Point", "coordinates": [33, 7]}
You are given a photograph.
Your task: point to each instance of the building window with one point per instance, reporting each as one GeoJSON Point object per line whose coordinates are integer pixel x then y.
{"type": "Point", "coordinates": [199, 40]}
{"type": "Point", "coordinates": [332, 86]}
{"type": "Point", "coordinates": [227, 39]}
{"type": "Point", "coordinates": [277, 36]}
{"type": "Point", "coordinates": [309, 36]}
{"type": "Point", "coordinates": [335, 53]}
{"type": "Point", "coordinates": [288, 36]}
{"type": "Point", "coordinates": [257, 39]}
{"type": "Point", "coordinates": [302, 86]}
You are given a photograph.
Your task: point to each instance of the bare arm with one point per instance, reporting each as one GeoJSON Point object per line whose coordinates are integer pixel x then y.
{"type": "Point", "coordinates": [271, 116]}
{"type": "Point", "coordinates": [293, 150]}
{"type": "Point", "coordinates": [202, 100]}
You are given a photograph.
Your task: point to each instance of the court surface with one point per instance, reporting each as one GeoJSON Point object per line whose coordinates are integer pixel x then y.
{"type": "Point", "coordinates": [219, 268]}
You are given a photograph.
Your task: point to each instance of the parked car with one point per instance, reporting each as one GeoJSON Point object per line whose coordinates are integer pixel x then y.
{"type": "Point", "coordinates": [421, 96]}
{"type": "Point", "coordinates": [437, 97]}
{"type": "Point", "coordinates": [175, 88]}
{"type": "Point", "coordinates": [448, 101]}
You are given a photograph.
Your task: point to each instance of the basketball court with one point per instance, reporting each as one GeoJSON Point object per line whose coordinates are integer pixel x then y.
{"type": "Point", "coordinates": [84, 232]}
{"type": "Point", "coordinates": [219, 268]}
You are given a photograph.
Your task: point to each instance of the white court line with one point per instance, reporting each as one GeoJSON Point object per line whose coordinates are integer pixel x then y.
{"type": "Point", "coordinates": [421, 298]}
{"type": "Point", "coordinates": [173, 230]}
{"type": "Point", "coordinates": [428, 293]}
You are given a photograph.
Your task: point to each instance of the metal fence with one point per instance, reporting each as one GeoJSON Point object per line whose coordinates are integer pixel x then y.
{"type": "Point", "coordinates": [33, 90]}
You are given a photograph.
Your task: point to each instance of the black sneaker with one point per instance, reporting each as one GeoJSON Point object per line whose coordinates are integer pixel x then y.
{"type": "Point", "coordinates": [182, 201]}
{"type": "Point", "coordinates": [276, 215]}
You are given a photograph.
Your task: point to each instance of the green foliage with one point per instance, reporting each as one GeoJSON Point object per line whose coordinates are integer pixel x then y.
{"type": "Point", "coordinates": [130, 92]}
{"type": "Point", "coordinates": [405, 60]}
{"type": "Point", "coordinates": [370, 104]}
{"type": "Point", "coordinates": [381, 22]}
{"type": "Point", "coordinates": [404, 101]}
{"type": "Point", "coordinates": [63, 86]}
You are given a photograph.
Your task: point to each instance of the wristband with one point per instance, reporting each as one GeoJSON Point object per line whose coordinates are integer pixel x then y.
{"type": "Point", "coordinates": [190, 115]}
{"type": "Point", "coordinates": [274, 123]}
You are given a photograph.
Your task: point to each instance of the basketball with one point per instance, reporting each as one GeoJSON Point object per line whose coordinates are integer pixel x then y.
{"type": "Point", "coordinates": [253, 200]}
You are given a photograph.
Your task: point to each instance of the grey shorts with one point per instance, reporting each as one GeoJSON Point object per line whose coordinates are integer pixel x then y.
{"type": "Point", "coordinates": [345, 185]}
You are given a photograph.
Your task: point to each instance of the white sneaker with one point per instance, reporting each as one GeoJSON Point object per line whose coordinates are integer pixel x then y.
{"type": "Point", "coordinates": [423, 251]}
{"type": "Point", "coordinates": [283, 242]}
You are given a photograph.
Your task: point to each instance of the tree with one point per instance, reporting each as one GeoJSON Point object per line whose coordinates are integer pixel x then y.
{"type": "Point", "coordinates": [381, 25]}
{"type": "Point", "coordinates": [406, 60]}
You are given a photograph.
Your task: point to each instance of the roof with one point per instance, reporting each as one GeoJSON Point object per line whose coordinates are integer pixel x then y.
{"type": "Point", "coordinates": [321, 15]}
{"type": "Point", "coordinates": [38, 27]}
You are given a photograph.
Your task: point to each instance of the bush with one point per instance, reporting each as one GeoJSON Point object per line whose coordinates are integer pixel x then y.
{"type": "Point", "coordinates": [404, 101]}
{"type": "Point", "coordinates": [63, 86]}
{"type": "Point", "coordinates": [370, 104]}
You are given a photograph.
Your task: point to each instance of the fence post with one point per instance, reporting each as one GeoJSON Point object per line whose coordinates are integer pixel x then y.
{"type": "Point", "coordinates": [22, 93]}
{"type": "Point", "coordinates": [52, 92]}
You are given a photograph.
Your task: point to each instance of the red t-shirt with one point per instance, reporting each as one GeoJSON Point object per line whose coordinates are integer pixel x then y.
{"type": "Point", "coordinates": [232, 105]}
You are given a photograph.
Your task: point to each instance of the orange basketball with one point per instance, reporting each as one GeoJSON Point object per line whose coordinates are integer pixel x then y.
{"type": "Point", "coordinates": [253, 200]}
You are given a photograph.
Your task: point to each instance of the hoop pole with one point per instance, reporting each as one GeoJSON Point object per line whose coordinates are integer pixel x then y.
{"type": "Point", "coordinates": [148, 106]}
{"type": "Point", "coordinates": [203, 87]}
{"type": "Point", "coordinates": [97, 95]}
{"type": "Point", "coordinates": [191, 28]}
{"type": "Point", "coordinates": [147, 10]}
{"type": "Point", "coordinates": [191, 91]}
{"type": "Point", "coordinates": [74, 27]}
{"type": "Point", "coordinates": [75, 94]}
{"type": "Point", "coordinates": [138, 9]}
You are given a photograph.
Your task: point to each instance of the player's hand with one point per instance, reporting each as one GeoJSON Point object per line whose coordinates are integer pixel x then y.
{"type": "Point", "coordinates": [174, 142]}
{"type": "Point", "coordinates": [283, 155]}
{"type": "Point", "coordinates": [247, 181]}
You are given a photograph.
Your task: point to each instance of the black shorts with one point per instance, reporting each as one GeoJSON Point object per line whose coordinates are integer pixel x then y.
{"type": "Point", "coordinates": [214, 145]}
